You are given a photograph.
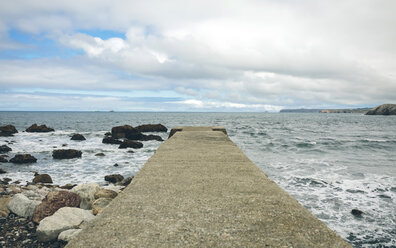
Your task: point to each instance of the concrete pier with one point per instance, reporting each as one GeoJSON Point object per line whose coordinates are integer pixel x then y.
{"type": "Point", "coordinates": [200, 190]}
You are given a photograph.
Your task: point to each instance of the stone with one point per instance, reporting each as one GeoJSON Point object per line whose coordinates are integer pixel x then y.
{"type": "Point", "coordinates": [68, 234]}
{"type": "Point", "coordinates": [42, 178]}
{"type": "Point", "coordinates": [126, 181]}
{"type": "Point", "coordinates": [7, 130]}
{"type": "Point", "coordinates": [101, 154]}
{"type": "Point", "coordinates": [123, 131]}
{"type": "Point", "coordinates": [54, 201]}
{"type": "Point", "coordinates": [4, 211]}
{"type": "Point", "coordinates": [111, 140]}
{"type": "Point", "coordinates": [100, 204]}
{"type": "Point", "coordinates": [357, 212]}
{"type": "Point", "coordinates": [78, 136]}
{"type": "Point", "coordinates": [3, 160]}
{"type": "Point", "coordinates": [23, 159]}
{"type": "Point", "coordinates": [64, 219]}
{"type": "Point", "coordinates": [105, 193]}
{"type": "Point", "coordinates": [115, 178]}
{"type": "Point", "coordinates": [115, 165]}
{"type": "Point", "coordinates": [68, 186]}
{"type": "Point", "coordinates": [1, 170]}
{"type": "Point", "coordinates": [152, 137]}
{"type": "Point", "coordinates": [22, 206]}
{"type": "Point", "coordinates": [152, 128]}
{"type": "Point", "coordinates": [384, 109]}
{"type": "Point", "coordinates": [66, 154]}
{"type": "Point", "coordinates": [87, 193]}
{"type": "Point", "coordinates": [130, 144]}
{"type": "Point", "coordinates": [5, 149]}
{"type": "Point", "coordinates": [39, 129]}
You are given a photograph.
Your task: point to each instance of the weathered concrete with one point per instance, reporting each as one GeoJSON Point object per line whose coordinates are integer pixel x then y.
{"type": "Point", "coordinates": [200, 190]}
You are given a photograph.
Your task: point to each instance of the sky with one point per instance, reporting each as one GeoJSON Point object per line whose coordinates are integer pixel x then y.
{"type": "Point", "coordinates": [181, 55]}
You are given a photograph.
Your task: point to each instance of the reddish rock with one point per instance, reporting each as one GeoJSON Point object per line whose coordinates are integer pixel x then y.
{"type": "Point", "coordinates": [54, 201]}
{"type": "Point", "coordinates": [42, 178]}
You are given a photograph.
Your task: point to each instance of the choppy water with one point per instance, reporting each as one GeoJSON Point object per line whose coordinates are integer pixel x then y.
{"type": "Point", "coordinates": [331, 163]}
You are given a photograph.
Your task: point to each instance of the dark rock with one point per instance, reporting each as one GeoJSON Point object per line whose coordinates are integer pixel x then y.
{"type": "Point", "coordinates": [115, 165]}
{"type": "Point", "coordinates": [130, 151]}
{"type": "Point", "coordinates": [101, 154]}
{"type": "Point", "coordinates": [2, 171]}
{"type": "Point", "coordinates": [357, 212]}
{"type": "Point", "coordinates": [115, 178]}
{"type": "Point", "coordinates": [4, 149]}
{"type": "Point", "coordinates": [3, 160]}
{"type": "Point", "coordinates": [130, 144]}
{"type": "Point", "coordinates": [127, 132]}
{"type": "Point", "coordinates": [384, 109]}
{"type": "Point", "coordinates": [111, 140]}
{"type": "Point", "coordinates": [78, 136]}
{"type": "Point", "coordinates": [39, 129]}
{"type": "Point", "coordinates": [54, 201]}
{"type": "Point", "coordinates": [152, 137]}
{"type": "Point", "coordinates": [152, 128]}
{"type": "Point", "coordinates": [42, 178]}
{"type": "Point", "coordinates": [64, 145]}
{"type": "Point", "coordinates": [108, 134]}
{"type": "Point", "coordinates": [23, 159]}
{"type": "Point", "coordinates": [68, 186]}
{"type": "Point", "coordinates": [126, 181]}
{"type": "Point", "coordinates": [7, 130]}
{"type": "Point", "coordinates": [66, 154]}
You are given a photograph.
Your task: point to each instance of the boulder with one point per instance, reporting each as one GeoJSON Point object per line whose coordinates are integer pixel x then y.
{"type": "Point", "coordinates": [87, 193]}
{"type": "Point", "coordinates": [64, 219]}
{"type": "Point", "coordinates": [54, 201]}
{"type": "Point", "coordinates": [152, 137]}
{"type": "Point", "coordinates": [68, 234]}
{"type": "Point", "coordinates": [100, 204]}
{"type": "Point", "coordinates": [115, 178]}
{"type": "Point", "coordinates": [42, 178]}
{"type": "Point", "coordinates": [7, 130]}
{"type": "Point", "coordinates": [122, 131]}
{"type": "Point", "coordinates": [357, 212]}
{"type": "Point", "coordinates": [130, 144]}
{"type": "Point", "coordinates": [4, 211]}
{"type": "Point", "coordinates": [66, 154]}
{"type": "Point", "coordinates": [105, 193]}
{"type": "Point", "coordinates": [152, 128]}
{"type": "Point", "coordinates": [22, 206]}
{"type": "Point", "coordinates": [39, 129]}
{"type": "Point", "coordinates": [3, 160]}
{"type": "Point", "coordinates": [78, 136]}
{"type": "Point", "coordinates": [5, 149]}
{"type": "Point", "coordinates": [23, 159]}
{"type": "Point", "coordinates": [111, 140]}
{"type": "Point", "coordinates": [384, 109]}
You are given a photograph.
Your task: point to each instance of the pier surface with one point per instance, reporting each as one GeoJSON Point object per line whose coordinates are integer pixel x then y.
{"type": "Point", "coordinates": [200, 190]}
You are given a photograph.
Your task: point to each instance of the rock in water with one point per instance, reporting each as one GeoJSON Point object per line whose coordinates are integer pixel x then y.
{"type": "Point", "coordinates": [5, 149]}
{"type": "Point", "coordinates": [68, 234]}
{"type": "Point", "coordinates": [101, 154]}
{"type": "Point", "coordinates": [64, 219]}
{"type": "Point", "coordinates": [130, 144]}
{"type": "Point", "coordinates": [87, 193]}
{"type": "Point", "coordinates": [3, 160]}
{"type": "Point", "coordinates": [357, 212]}
{"type": "Point", "coordinates": [23, 159]}
{"type": "Point", "coordinates": [39, 129]}
{"type": "Point", "coordinates": [1, 170]}
{"type": "Point", "coordinates": [54, 201]}
{"type": "Point", "coordinates": [115, 178]}
{"type": "Point", "coordinates": [123, 131]}
{"type": "Point", "coordinates": [66, 154]}
{"type": "Point", "coordinates": [7, 130]}
{"type": "Point", "coordinates": [384, 109]}
{"type": "Point", "coordinates": [152, 137]}
{"type": "Point", "coordinates": [22, 206]}
{"type": "Point", "coordinates": [78, 136]}
{"type": "Point", "coordinates": [152, 128]}
{"type": "Point", "coordinates": [42, 178]}
{"type": "Point", "coordinates": [111, 140]}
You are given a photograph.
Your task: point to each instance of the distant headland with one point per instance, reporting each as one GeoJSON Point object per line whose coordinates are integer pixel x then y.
{"type": "Point", "coordinates": [384, 109]}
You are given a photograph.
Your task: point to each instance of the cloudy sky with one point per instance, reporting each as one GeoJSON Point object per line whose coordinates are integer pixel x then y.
{"type": "Point", "coordinates": [179, 55]}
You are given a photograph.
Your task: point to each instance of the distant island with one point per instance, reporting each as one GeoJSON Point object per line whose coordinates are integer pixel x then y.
{"type": "Point", "coordinates": [384, 109]}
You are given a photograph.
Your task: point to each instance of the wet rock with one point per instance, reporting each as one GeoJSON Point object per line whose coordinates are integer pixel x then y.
{"type": "Point", "coordinates": [66, 154]}
{"type": "Point", "coordinates": [115, 165]}
{"type": "Point", "coordinates": [68, 234]}
{"type": "Point", "coordinates": [64, 219]}
{"type": "Point", "coordinates": [1, 170]}
{"type": "Point", "coordinates": [100, 204]}
{"type": "Point", "coordinates": [23, 159]}
{"type": "Point", "coordinates": [5, 149]}
{"type": "Point", "coordinates": [152, 137]}
{"type": "Point", "coordinates": [130, 151]}
{"type": "Point", "coordinates": [78, 136]}
{"type": "Point", "coordinates": [4, 211]}
{"type": "Point", "coordinates": [39, 129]}
{"type": "Point", "coordinates": [42, 178]}
{"type": "Point", "coordinates": [64, 145]}
{"type": "Point", "coordinates": [5, 180]}
{"type": "Point", "coordinates": [101, 154]}
{"type": "Point", "coordinates": [7, 130]}
{"type": "Point", "coordinates": [123, 131]}
{"type": "Point", "coordinates": [384, 109]}
{"type": "Point", "coordinates": [115, 178]}
{"type": "Point", "coordinates": [130, 144]}
{"type": "Point", "coordinates": [87, 193]}
{"type": "Point", "coordinates": [111, 140]}
{"type": "Point", "coordinates": [105, 193]}
{"type": "Point", "coordinates": [357, 212]}
{"type": "Point", "coordinates": [107, 134]}
{"type": "Point", "coordinates": [68, 186]}
{"type": "Point", "coordinates": [152, 128]}
{"type": "Point", "coordinates": [54, 201]}
{"type": "Point", "coordinates": [126, 181]}
{"type": "Point", "coordinates": [3, 160]}
{"type": "Point", "coordinates": [22, 206]}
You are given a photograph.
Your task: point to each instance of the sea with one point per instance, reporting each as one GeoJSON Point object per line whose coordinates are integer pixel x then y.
{"type": "Point", "coordinates": [331, 163]}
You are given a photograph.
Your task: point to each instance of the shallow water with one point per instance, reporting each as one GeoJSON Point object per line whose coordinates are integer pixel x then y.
{"type": "Point", "coordinates": [331, 163]}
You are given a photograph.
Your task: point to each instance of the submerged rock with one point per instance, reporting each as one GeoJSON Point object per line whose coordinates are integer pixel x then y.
{"type": "Point", "coordinates": [357, 212]}
{"type": "Point", "coordinates": [111, 140]}
{"type": "Point", "coordinates": [66, 154]}
{"type": "Point", "coordinates": [5, 149]}
{"type": "Point", "coordinates": [23, 159]}
{"type": "Point", "coordinates": [384, 109]}
{"type": "Point", "coordinates": [130, 144]}
{"type": "Point", "coordinates": [42, 178]}
{"type": "Point", "coordinates": [7, 130]}
{"type": "Point", "coordinates": [152, 128]}
{"type": "Point", "coordinates": [78, 136]}
{"type": "Point", "coordinates": [115, 178]}
{"type": "Point", "coordinates": [39, 129]}
{"type": "Point", "coordinates": [101, 154]}
{"type": "Point", "coordinates": [54, 201]}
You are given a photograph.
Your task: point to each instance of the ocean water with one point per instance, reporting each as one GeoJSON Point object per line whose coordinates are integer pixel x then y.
{"type": "Point", "coordinates": [331, 163]}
